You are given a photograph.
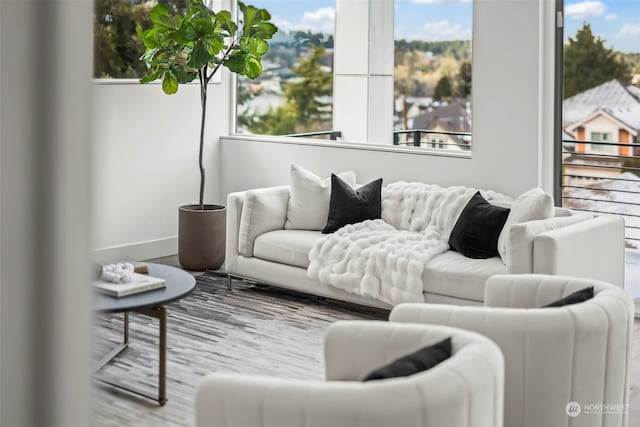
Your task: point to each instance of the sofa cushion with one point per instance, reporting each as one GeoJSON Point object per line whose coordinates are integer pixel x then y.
{"type": "Point", "coordinates": [578, 296]}
{"type": "Point", "coordinates": [308, 206]}
{"type": "Point", "coordinates": [413, 363]}
{"type": "Point", "coordinates": [289, 247]}
{"type": "Point", "coordinates": [349, 205]}
{"type": "Point", "coordinates": [475, 234]}
{"type": "Point", "coordinates": [264, 209]}
{"type": "Point", "coordinates": [453, 274]}
{"type": "Point", "coordinates": [532, 205]}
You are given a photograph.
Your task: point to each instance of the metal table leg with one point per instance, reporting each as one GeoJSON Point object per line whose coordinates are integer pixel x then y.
{"type": "Point", "coordinates": [159, 313]}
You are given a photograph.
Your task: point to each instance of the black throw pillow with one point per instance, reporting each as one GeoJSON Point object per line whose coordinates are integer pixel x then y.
{"type": "Point", "coordinates": [476, 232]}
{"type": "Point", "coordinates": [421, 360]}
{"type": "Point", "coordinates": [573, 298]}
{"type": "Point", "coordinates": [349, 206]}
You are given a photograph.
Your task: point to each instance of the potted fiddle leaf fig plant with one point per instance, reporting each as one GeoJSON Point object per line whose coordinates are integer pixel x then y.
{"type": "Point", "coordinates": [180, 49]}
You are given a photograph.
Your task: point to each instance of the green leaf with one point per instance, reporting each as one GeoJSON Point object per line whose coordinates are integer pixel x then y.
{"type": "Point", "coordinates": [236, 62]}
{"type": "Point", "coordinates": [223, 16]}
{"type": "Point", "coordinates": [264, 30]}
{"type": "Point", "coordinates": [250, 15]}
{"type": "Point", "coordinates": [214, 44]}
{"type": "Point", "coordinates": [187, 32]}
{"type": "Point", "coordinates": [265, 15]}
{"type": "Point", "coordinates": [158, 12]}
{"type": "Point", "coordinates": [199, 56]}
{"type": "Point", "coordinates": [253, 68]}
{"type": "Point", "coordinates": [199, 8]}
{"type": "Point", "coordinates": [182, 75]}
{"type": "Point", "coordinates": [169, 84]}
{"type": "Point", "coordinates": [150, 77]}
{"type": "Point", "coordinates": [203, 26]}
{"type": "Point", "coordinates": [230, 27]}
{"type": "Point", "coordinates": [140, 32]}
{"type": "Point", "coordinates": [257, 47]}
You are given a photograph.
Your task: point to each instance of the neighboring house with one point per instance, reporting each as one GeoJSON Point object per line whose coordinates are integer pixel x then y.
{"type": "Point", "coordinates": [453, 117]}
{"type": "Point", "coordinates": [609, 112]}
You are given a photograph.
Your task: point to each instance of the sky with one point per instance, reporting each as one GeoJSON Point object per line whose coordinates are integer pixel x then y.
{"type": "Point", "coordinates": [616, 21]}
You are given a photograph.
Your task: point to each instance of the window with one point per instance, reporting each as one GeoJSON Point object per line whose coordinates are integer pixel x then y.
{"type": "Point", "coordinates": [432, 73]}
{"type": "Point", "coordinates": [598, 60]}
{"type": "Point", "coordinates": [116, 46]}
{"type": "Point", "coordinates": [294, 94]}
{"type": "Point", "coordinates": [603, 137]}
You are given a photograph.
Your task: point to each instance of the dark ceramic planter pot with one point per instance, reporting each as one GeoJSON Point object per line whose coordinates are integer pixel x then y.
{"type": "Point", "coordinates": [201, 236]}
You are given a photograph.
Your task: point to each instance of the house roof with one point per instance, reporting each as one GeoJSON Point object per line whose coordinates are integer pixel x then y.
{"type": "Point", "coordinates": [452, 117]}
{"type": "Point", "coordinates": [606, 112]}
{"type": "Point", "coordinates": [620, 101]}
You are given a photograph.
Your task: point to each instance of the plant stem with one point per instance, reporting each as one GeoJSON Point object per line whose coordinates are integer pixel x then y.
{"type": "Point", "coordinates": [203, 99]}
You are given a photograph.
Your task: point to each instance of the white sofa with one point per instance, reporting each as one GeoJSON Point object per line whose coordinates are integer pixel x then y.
{"type": "Point", "coordinates": [260, 249]}
{"type": "Point", "coordinates": [553, 356]}
{"type": "Point", "coordinates": [466, 390]}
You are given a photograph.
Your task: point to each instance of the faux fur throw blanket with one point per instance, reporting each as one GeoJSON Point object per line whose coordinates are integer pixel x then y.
{"type": "Point", "coordinates": [385, 258]}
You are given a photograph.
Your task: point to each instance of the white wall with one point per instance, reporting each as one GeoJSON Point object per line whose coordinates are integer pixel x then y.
{"type": "Point", "coordinates": [145, 150]}
{"type": "Point", "coordinates": [508, 102]}
{"type": "Point", "coordinates": [145, 142]}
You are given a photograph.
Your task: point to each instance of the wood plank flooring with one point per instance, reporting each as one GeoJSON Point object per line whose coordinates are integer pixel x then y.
{"type": "Point", "coordinates": [250, 329]}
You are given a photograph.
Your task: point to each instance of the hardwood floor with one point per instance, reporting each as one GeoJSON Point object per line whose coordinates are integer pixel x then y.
{"type": "Point", "coordinates": [250, 329]}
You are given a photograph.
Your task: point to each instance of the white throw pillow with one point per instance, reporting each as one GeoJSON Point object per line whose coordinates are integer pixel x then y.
{"type": "Point", "coordinates": [532, 205]}
{"type": "Point", "coordinates": [309, 198]}
{"type": "Point", "coordinates": [263, 210]}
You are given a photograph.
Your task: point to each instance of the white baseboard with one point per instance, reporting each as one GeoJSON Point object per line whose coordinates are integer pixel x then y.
{"type": "Point", "coordinates": [137, 251]}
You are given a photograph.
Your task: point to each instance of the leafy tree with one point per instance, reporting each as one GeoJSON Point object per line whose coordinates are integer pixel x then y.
{"type": "Point", "coordinates": [304, 109]}
{"type": "Point", "coordinates": [588, 63]}
{"type": "Point", "coordinates": [117, 49]}
{"type": "Point", "coordinates": [463, 78]}
{"type": "Point", "coordinates": [444, 89]}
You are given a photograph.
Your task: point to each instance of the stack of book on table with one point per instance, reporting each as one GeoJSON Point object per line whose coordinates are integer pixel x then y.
{"type": "Point", "coordinates": [138, 283]}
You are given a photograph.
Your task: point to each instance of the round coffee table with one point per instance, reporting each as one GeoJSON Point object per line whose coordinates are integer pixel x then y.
{"type": "Point", "coordinates": [178, 283]}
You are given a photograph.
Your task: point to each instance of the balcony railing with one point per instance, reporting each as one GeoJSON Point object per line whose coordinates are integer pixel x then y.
{"type": "Point", "coordinates": [434, 139]}
{"type": "Point", "coordinates": [603, 178]}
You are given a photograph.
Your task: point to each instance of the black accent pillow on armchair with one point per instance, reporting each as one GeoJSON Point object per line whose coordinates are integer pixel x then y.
{"type": "Point", "coordinates": [349, 206]}
{"type": "Point", "coordinates": [476, 232]}
{"type": "Point", "coordinates": [573, 298]}
{"type": "Point", "coordinates": [421, 360]}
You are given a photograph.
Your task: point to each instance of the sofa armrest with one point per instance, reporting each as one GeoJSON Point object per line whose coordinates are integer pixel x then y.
{"type": "Point", "coordinates": [352, 349]}
{"type": "Point", "coordinates": [521, 237]}
{"type": "Point", "coordinates": [534, 290]}
{"type": "Point", "coordinates": [234, 212]}
{"type": "Point", "coordinates": [465, 390]}
{"type": "Point", "coordinates": [593, 249]}
{"type": "Point", "coordinates": [263, 210]}
{"type": "Point", "coordinates": [224, 400]}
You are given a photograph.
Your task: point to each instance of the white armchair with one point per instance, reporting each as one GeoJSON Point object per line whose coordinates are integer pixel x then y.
{"type": "Point", "coordinates": [576, 353]}
{"type": "Point", "coordinates": [463, 391]}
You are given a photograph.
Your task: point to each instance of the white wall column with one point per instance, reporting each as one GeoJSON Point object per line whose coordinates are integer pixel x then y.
{"type": "Point", "coordinates": [363, 74]}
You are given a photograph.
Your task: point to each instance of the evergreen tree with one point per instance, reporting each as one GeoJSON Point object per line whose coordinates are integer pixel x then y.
{"type": "Point", "coordinates": [463, 89]}
{"type": "Point", "coordinates": [303, 109]}
{"type": "Point", "coordinates": [444, 89]}
{"type": "Point", "coordinates": [588, 63]}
